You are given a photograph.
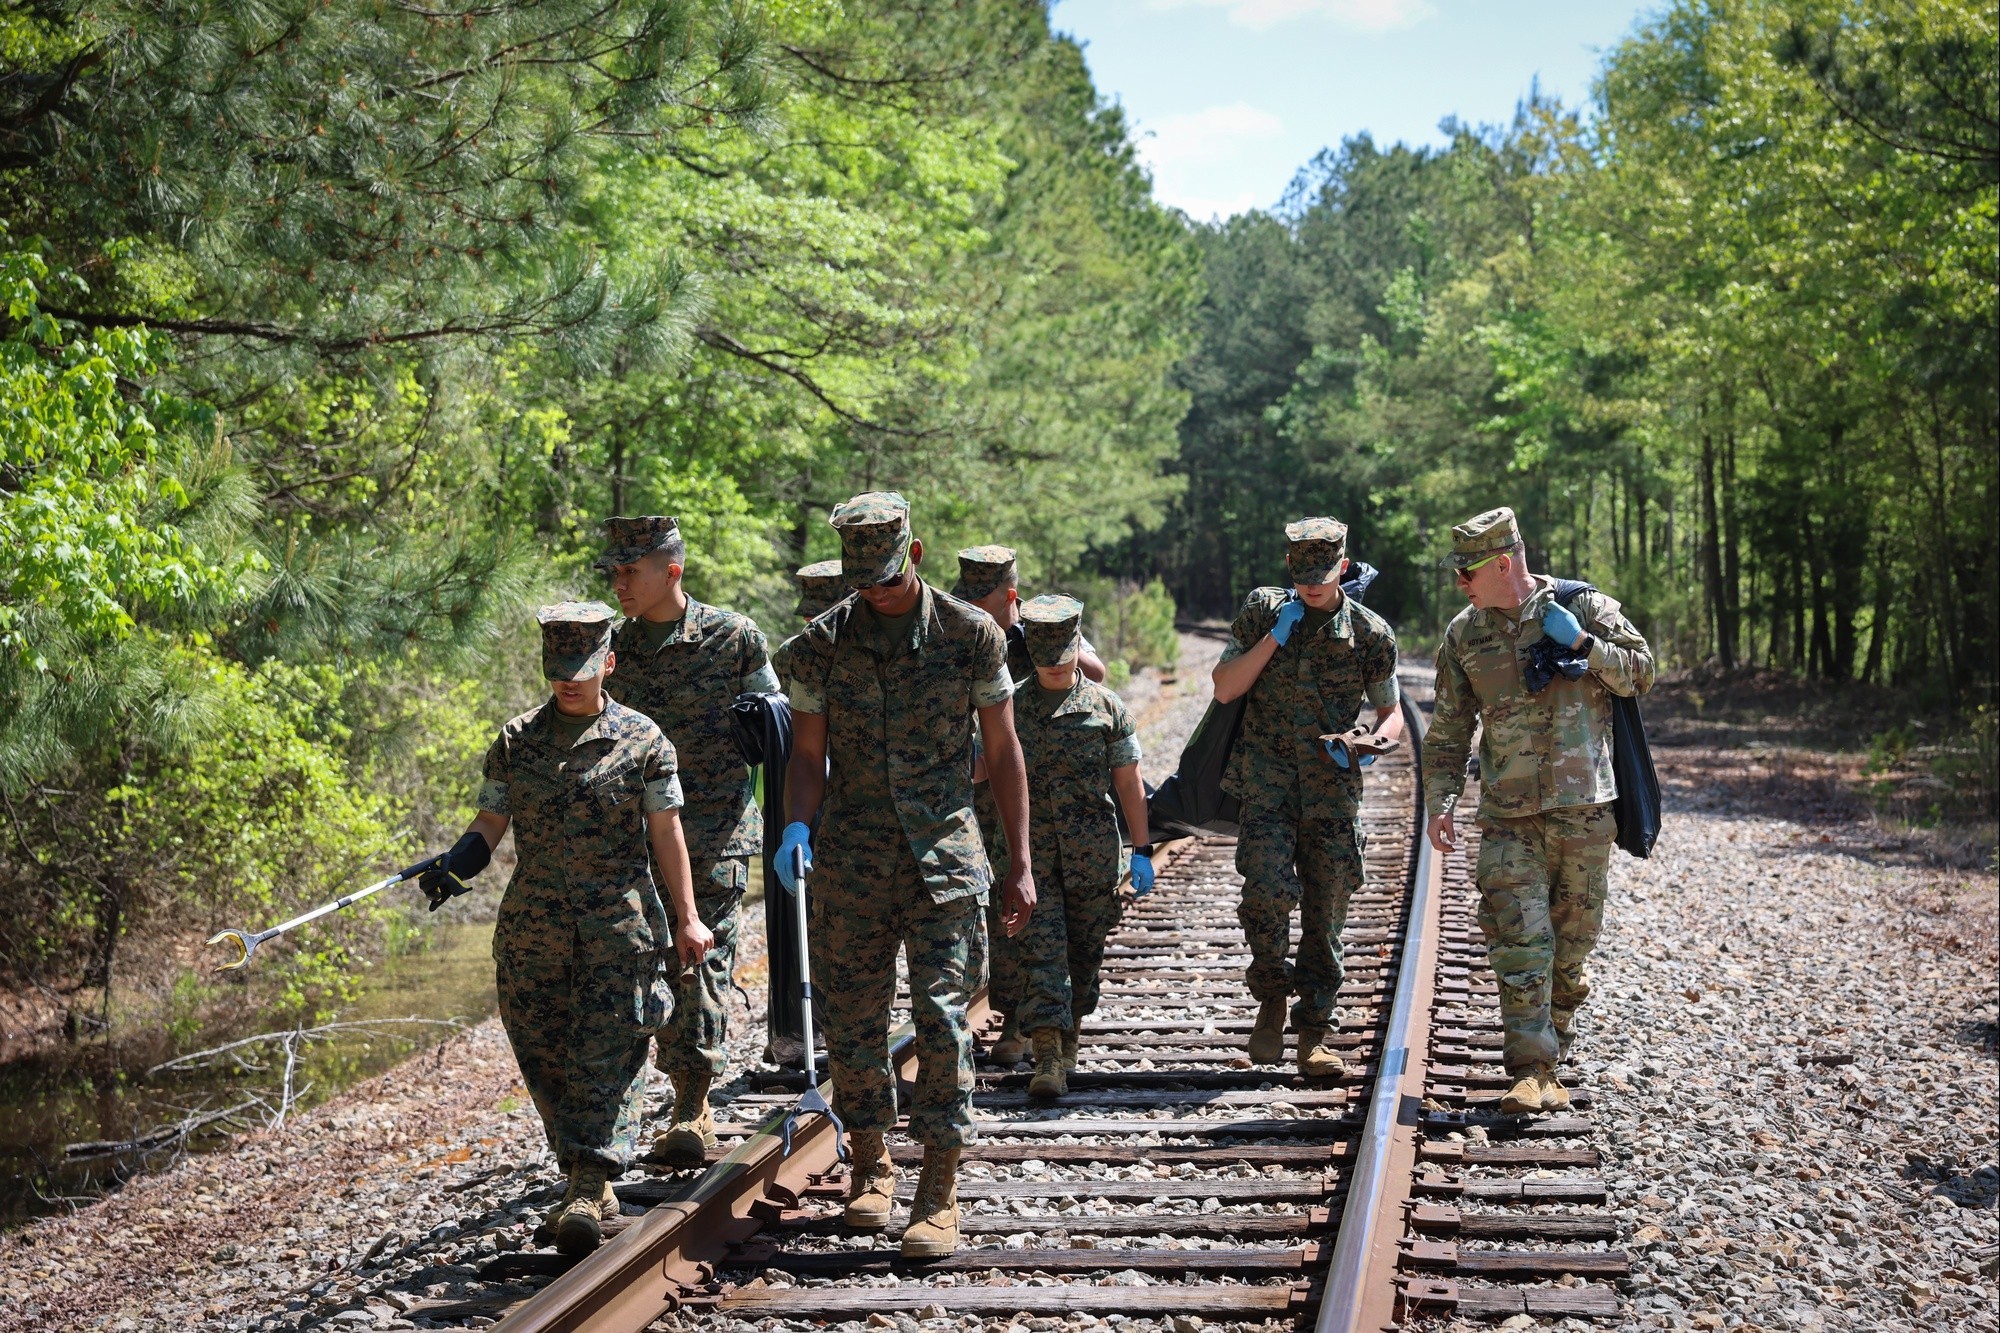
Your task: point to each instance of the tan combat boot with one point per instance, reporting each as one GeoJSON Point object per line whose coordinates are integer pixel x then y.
{"type": "Point", "coordinates": [692, 1133]}
{"type": "Point", "coordinates": [1069, 1051]}
{"type": "Point", "coordinates": [933, 1229]}
{"type": "Point", "coordinates": [1049, 1079]}
{"type": "Point", "coordinates": [589, 1204]}
{"type": "Point", "coordinates": [1555, 1097]}
{"type": "Point", "coordinates": [1317, 1058]}
{"type": "Point", "coordinates": [871, 1182]}
{"type": "Point", "coordinates": [1012, 1048]}
{"type": "Point", "coordinates": [1525, 1096]}
{"type": "Point", "coordinates": [1267, 1039]}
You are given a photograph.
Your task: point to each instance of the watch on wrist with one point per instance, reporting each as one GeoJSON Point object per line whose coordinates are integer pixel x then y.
{"type": "Point", "coordinates": [1142, 849]}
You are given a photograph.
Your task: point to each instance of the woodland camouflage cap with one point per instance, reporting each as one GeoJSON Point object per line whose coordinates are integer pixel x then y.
{"type": "Point", "coordinates": [1053, 627]}
{"type": "Point", "coordinates": [1314, 548]}
{"type": "Point", "coordinates": [981, 569]}
{"type": "Point", "coordinates": [628, 539]}
{"type": "Point", "coordinates": [874, 532]}
{"type": "Point", "coordinates": [820, 586]}
{"type": "Point", "coordinates": [575, 638]}
{"type": "Point", "coordinates": [1491, 533]}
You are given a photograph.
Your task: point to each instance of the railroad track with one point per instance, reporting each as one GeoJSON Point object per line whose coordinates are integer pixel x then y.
{"type": "Point", "coordinates": [1175, 1181]}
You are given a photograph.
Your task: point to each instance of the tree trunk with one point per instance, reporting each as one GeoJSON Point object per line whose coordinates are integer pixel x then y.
{"type": "Point", "coordinates": [1878, 621]}
{"type": "Point", "coordinates": [1731, 568]}
{"type": "Point", "coordinates": [1711, 556]}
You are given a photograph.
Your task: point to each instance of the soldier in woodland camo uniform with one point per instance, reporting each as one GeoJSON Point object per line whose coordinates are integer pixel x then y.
{"type": "Point", "coordinates": [987, 578]}
{"type": "Point", "coordinates": [1545, 787]}
{"type": "Point", "coordinates": [1312, 657]}
{"type": "Point", "coordinates": [884, 688]}
{"type": "Point", "coordinates": [582, 943]}
{"type": "Point", "coordinates": [682, 663]}
{"type": "Point", "coordinates": [1079, 742]}
{"type": "Point", "coordinates": [820, 586]}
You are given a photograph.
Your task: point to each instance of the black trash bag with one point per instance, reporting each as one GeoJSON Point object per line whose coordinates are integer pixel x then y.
{"type": "Point", "coordinates": [1192, 800]}
{"type": "Point", "coordinates": [1638, 805]}
{"type": "Point", "coordinates": [763, 726]}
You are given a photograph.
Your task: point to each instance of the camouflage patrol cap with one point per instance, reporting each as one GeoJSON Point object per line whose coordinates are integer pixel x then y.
{"type": "Point", "coordinates": [820, 586]}
{"type": "Point", "coordinates": [981, 569]}
{"type": "Point", "coordinates": [628, 539]}
{"type": "Point", "coordinates": [1053, 626]}
{"type": "Point", "coordinates": [1314, 548]}
{"type": "Point", "coordinates": [575, 638]}
{"type": "Point", "coordinates": [874, 532]}
{"type": "Point", "coordinates": [1491, 533]}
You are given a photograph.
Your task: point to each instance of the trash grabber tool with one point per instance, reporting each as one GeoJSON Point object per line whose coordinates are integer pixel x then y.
{"type": "Point", "coordinates": [812, 1101]}
{"type": "Point", "coordinates": [248, 941]}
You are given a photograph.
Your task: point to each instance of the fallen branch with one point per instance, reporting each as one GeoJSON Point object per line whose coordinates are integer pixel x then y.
{"type": "Point", "coordinates": [154, 1140]}
{"type": "Point", "coordinates": [195, 1059]}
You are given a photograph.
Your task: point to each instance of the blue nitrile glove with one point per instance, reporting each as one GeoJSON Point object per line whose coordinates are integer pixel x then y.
{"type": "Point", "coordinates": [1142, 874]}
{"type": "Point", "coordinates": [799, 836]}
{"type": "Point", "coordinates": [1289, 616]}
{"type": "Point", "coordinates": [1560, 625]}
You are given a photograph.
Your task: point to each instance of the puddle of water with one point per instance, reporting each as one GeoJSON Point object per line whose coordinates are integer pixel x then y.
{"type": "Point", "coordinates": [96, 1094]}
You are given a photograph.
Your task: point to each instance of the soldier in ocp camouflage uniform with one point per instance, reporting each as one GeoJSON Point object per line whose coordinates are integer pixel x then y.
{"type": "Point", "coordinates": [988, 578]}
{"type": "Point", "coordinates": [1080, 744]}
{"type": "Point", "coordinates": [884, 689]}
{"type": "Point", "coordinates": [1308, 658]}
{"type": "Point", "coordinates": [682, 663]}
{"type": "Point", "coordinates": [1545, 785]}
{"type": "Point", "coordinates": [581, 944]}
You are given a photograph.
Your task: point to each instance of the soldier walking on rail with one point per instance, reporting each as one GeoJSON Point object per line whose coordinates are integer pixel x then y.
{"type": "Point", "coordinates": [885, 686]}
{"type": "Point", "coordinates": [682, 663]}
{"type": "Point", "coordinates": [1081, 745]}
{"type": "Point", "coordinates": [988, 579]}
{"type": "Point", "coordinates": [1308, 658]}
{"type": "Point", "coordinates": [581, 946]}
{"type": "Point", "coordinates": [1546, 786]}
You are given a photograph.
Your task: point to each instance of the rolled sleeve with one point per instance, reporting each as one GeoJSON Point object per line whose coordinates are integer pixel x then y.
{"type": "Point", "coordinates": [493, 797]}
{"type": "Point", "coordinates": [806, 698]}
{"type": "Point", "coordinates": [763, 680]}
{"type": "Point", "coordinates": [1383, 693]}
{"type": "Point", "coordinates": [996, 690]}
{"type": "Point", "coordinates": [1123, 751]}
{"type": "Point", "coordinates": [663, 794]}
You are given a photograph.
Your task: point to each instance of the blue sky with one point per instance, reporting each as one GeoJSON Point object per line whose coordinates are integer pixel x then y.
{"type": "Point", "coordinates": [1230, 97]}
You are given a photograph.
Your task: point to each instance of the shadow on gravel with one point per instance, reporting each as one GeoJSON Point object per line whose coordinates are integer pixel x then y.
{"type": "Point", "coordinates": [1967, 1189]}
{"type": "Point", "coordinates": [1981, 1032]}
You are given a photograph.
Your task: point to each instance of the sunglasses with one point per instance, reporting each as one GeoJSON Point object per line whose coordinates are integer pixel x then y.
{"type": "Point", "coordinates": [1465, 571]}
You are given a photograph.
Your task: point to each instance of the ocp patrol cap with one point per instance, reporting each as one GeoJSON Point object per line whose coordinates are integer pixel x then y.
{"type": "Point", "coordinates": [874, 532]}
{"type": "Point", "coordinates": [1489, 534]}
{"type": "Point", "coordinates": [576, 636]}
{"type": "Point", "coordinates": [1314, 548]}
{"type": "Point", "coordinates": [820, 586]}
{"type": "Point", "coordinates": [981, 569]}
{"type": "Point", "coordinates": [1053, 627]}
{"type": "Point", "coordinates": [627, 540]}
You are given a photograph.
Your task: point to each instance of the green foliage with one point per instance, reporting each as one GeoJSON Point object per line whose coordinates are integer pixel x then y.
{"type": "Point", "coordinates": [1131, 623]}
{"type": "Point", "coordinates": [1727, 348]}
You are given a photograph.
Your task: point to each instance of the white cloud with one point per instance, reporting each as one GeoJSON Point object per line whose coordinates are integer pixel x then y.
{"type": "Point", "coordinates": [1197, 138]}
{"type": "Point", "coordinates": [1364, 15]}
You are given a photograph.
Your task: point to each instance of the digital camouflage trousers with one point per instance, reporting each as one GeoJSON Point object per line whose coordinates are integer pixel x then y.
{"type": "Point", "coordinates": [1542, 884]}
{"type": "Point", "coordinates": [1061, 951]}
{"type": "Point", "coordinates": [579, 1015]}
{"type": "Point", "coordinates": [863, 908]}
{"type": "Point", "coordinates": [1310, 865]}
{"type": "Point", "coordinates": [696, 1037]}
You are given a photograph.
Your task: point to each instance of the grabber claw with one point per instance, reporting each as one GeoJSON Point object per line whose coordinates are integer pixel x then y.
{"type": "Point", "coordinates": [245, 945]}
{"type": "Point", "coordinates": [812, 1101]}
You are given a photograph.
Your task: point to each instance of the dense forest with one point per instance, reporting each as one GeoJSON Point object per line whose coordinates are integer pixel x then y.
{"type": "Point", "coordinates": [331, 332]}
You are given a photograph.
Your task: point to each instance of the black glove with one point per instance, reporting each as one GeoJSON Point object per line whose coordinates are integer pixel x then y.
{"type": "Point", "coordinates": [443, 877]}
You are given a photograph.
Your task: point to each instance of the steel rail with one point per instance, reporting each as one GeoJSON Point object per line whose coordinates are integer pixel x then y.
{"type": "Point", "coordinates": [1360, 1282]}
